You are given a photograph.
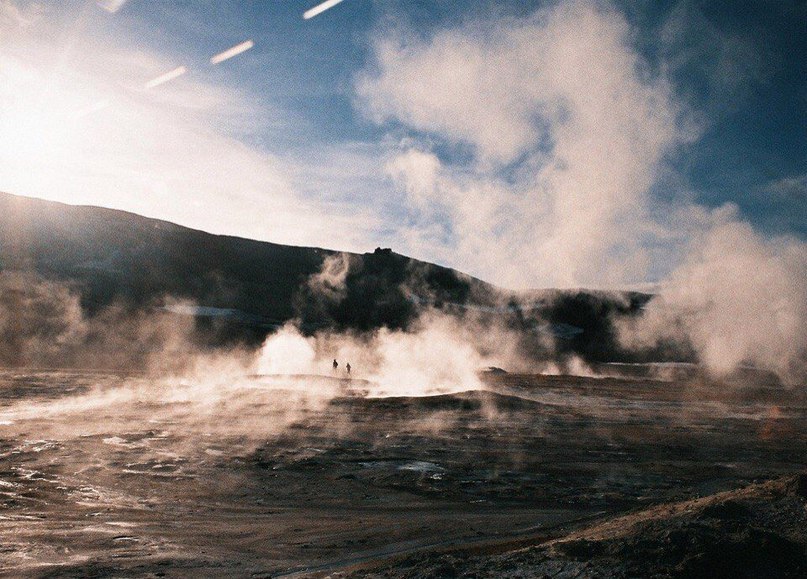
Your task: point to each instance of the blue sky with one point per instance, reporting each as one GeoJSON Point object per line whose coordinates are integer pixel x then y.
{"type": "Point", "coordinates": [740, 66]}
{"type": "Point", "coordinates": [367, 126]}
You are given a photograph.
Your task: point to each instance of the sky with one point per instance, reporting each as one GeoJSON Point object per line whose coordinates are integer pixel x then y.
{"type": "Point", "coordinates": [532, 144]}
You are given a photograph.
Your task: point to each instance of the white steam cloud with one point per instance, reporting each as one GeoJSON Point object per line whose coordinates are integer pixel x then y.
{"type": "Point", "coordinates": [329, 282]}
{"type": "Point", "coordinates": [436, 356]}
{"type": "Point", "coordinates": [568, 132]}
{"type": "Point", "coordinates": [738, 298]}
{"type": "Point", "coordinates": [560, 131]}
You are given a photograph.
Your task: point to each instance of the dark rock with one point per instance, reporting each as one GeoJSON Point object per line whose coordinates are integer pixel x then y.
{"type": "Point", "coordinates": [797, 486]}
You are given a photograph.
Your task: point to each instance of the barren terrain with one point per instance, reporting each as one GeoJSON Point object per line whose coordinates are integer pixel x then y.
{"type": "Point", "coordinates": [104, 474]}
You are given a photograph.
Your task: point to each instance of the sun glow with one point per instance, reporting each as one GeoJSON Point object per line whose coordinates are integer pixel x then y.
{"type": "Point", "coordinates": [46, 120]}
{"type": "Point", "coordinates": [38, 129]}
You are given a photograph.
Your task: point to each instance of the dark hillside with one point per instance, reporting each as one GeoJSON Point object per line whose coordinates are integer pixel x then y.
{"type": "Point", "coordinates": [115, 257]}
{"type": "Point", "coordinates": [240, 289]}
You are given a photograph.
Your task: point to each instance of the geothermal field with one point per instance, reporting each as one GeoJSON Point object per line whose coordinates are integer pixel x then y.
{"type": "Point", "coordinates": [169, 406]}
{"type": "Point", "coordinates": [403, 289]}
{"type": "Point", "coordinates": [109, 474]}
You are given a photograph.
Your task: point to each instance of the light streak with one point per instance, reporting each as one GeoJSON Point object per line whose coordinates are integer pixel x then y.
{"type": "Point", "coordinates": [320, 8]}
{"type": "Point", "coordinates": [167, 77]}
{"type": "Point", "coordinates": [231, 52]}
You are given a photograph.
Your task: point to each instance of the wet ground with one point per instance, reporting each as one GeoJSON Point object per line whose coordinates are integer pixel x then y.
{"type": "Point", "coordinates": [103, 474]}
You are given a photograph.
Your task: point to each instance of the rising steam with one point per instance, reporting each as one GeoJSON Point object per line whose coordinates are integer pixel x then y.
{"type": "Point", "coordinates": [738, 299]}
{"type": "Point", "coordinates": [434, 357]}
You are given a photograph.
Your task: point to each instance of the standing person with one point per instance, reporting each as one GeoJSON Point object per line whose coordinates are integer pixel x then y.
{"type": "Point", "coordinates": [348, 368]}
{"type": "Point", "coordinates": [335, 365]}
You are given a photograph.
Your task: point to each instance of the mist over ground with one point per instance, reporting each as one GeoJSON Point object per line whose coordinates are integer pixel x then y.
{"type": "Point", "coordinates": [736, 301]}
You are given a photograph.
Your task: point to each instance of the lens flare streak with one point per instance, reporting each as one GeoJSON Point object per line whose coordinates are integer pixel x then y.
{"type": "Point", "coordinates": [231, 52]}
{"type": "Point", "coordinates": [320, 8]}
{"type": "Point", "coordinates": [167, 77]}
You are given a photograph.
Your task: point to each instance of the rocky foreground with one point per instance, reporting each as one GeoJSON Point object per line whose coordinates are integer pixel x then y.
{"type": "Point", "coordinates": [756, 531]}
{"type": "Point", "coordinates": [107, 475]}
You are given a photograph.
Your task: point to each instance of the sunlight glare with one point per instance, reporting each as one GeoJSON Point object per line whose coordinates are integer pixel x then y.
{"type": "Point", "coordinates": [46, 125]}
{"type": "Point", "coordinates": [37, 129]}
{"type": "Point", "coordinates": [93, 108]}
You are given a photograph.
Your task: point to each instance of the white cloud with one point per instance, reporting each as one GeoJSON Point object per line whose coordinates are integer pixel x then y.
{"type": "Point", "coordinates": [794, 188]}
{"type": "Point", "coordinates": [12, 14]}
{"type": "Point", "coordinates": [417, 172]}
{"type": "Point", "coordinates": [738, 298]}
{"type": "Point", "coordinates": [562, 100]}
{"type": "Point", "coordinates": [111, 5]}
{"type": "Point", "coordinates": [570, 132]}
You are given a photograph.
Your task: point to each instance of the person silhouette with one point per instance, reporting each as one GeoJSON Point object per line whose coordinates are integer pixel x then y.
{"type": "Point", "coordinates": [348, 368]}
{"type": "Point", "coordinates": [335, 365]}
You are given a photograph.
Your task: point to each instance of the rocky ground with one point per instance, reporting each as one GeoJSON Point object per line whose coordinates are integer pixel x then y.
{"type": "Point", "coordinates": [104, 474]}
{"type": "Point", "coordinates": [756, 531]}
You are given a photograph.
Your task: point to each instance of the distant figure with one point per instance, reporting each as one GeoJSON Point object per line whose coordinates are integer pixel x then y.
{"type": "Point", "coordinates": [348, 368]}
{"type": "Point", "coordinates": [335, 365]}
